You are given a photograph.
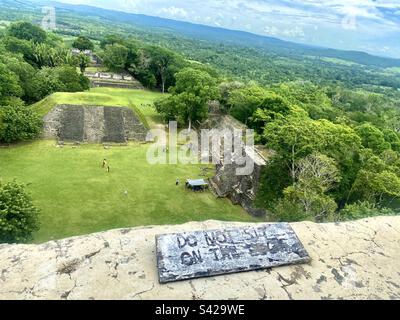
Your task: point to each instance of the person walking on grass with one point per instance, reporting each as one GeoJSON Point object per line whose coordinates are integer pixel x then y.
{"type": "Point", "coordinates": [104, 163]}
{"type": "Point", "coordinates": [177, 182]}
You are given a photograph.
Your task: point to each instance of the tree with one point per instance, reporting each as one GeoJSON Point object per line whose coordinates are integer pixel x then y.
{"type": "Point", "coordinates": [64, 78]}
{"type": "Point", "coordinates": [25, 73]}
{"type": "Point", "coordinates": [363, 209]}
{"type": "Point", "coordinates": [47, 56]}
{"type": "Point", "coordinates": [46, 82]}
{"type": "Point", "coordinates": [82, 43]}
{"type": "Point", "coordinates": [298, 205]}
{"type": "Point", "coordinates": [161, 61]}
{"type": "Point", "coordinates": [318, 172]}
{"type": "Point", "coordinates": [19, 218]}
{"type": "Point", "coordinates": [372, 138]}
{"type": "Point", "coordinates": [226, 89]}
{"type": "Point", "coordinates": [297, 136]}
{"type": "Point", "coordinates": [27, 31]}
{"type": "Point", "coordinates": [19, 123]}
{"type": "Point", "coordinates": [374, 186]}
{"type": "Point", "coordinates": [308, 96]}
{"type": "Point", "coordinates": [393, 138]}
{"type": "Point", "coordinates": [110, 40]}
{"type": "Point", "coordinates": [19, 46]}
{"type": "Point", "coordinates": [189, 98]}
{"type": "Point", "coordinates": [115, 57]}
{"type": "Point", "coordinates": [9, 84]}
{"type": "Point", "coordinates": [72, 81]}
{"type": "Point", "coordinates": [244, 101]}
{"type": "Point", "coordinates": [271, 107]}
{"type": "Point", "coordinates": [315, 175]}
{"type": "Point", "coordinates": [82, 61]}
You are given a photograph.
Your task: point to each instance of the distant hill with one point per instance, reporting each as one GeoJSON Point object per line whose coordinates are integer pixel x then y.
{"type": "Point", "coordinates": [236, 55]}
{"type": "Point", "coordinates": [203, 32]}
{"type": "Point", "coordinates": [274, 45]}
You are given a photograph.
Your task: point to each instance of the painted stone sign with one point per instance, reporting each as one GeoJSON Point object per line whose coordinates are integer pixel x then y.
{"type": "Point", "coordinates": [214, 252]}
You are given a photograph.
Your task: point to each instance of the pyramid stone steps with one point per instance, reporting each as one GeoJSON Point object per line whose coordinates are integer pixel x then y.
{"type": "Point", "coordinates": [94, 124]}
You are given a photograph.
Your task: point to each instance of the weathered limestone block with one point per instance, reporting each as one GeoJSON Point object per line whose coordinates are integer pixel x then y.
{"type": "Point", "coordinates": [352, 260]}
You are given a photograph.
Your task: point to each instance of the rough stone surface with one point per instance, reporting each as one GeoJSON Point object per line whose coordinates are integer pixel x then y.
{"type": "Point", "coordinates": [113, 80]}
{"type": "Point", "coordinates": [93, 124]}
{"type": "Point", "coordinates": [207, 253]}
{"type": "Point", "coordinates": [226, 183]}
{"type": "Point", "coordinates": [241, 190]}
{"type": "Point", "coordinates": [354, 260]}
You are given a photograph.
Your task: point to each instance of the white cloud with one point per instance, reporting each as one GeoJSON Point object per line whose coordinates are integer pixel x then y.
{"type": "Point", "coordinates": [174, 12]}
{"type": "Point", "coordinates": [356, 23]}
{"type": "Point", "coordinates": [272, 31]}
{"type": "Point", "coordinates": [295, 32]}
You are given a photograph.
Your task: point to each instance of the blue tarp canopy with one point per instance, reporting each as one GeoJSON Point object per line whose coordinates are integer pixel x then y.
{"type": "Point", "coordinates": [197, 183]}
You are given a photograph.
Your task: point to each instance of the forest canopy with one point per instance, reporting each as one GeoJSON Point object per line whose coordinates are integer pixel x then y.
{"type": "Point", "coordinates": [333, 131]}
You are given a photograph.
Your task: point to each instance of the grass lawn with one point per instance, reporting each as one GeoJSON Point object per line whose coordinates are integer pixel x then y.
{"type": "Point", "coordinates": [136, 99]}
{"type": "Point", "coordinates": [96, 69]}
{"type": "Point", "coordinates": [76, 196]}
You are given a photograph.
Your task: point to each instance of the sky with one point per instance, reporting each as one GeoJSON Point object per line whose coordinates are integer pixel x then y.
{"type": "Point", "coordinates": [366, 25]}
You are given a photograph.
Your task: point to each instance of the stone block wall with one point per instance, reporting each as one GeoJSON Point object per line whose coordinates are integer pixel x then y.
{"type": "Point", "coordinates": [93, 124]}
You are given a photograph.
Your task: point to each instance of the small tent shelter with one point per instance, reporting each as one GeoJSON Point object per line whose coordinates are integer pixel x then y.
{"type": "Point", "coordinates": [196, 185]}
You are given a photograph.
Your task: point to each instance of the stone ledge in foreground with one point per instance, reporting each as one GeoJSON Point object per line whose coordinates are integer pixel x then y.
{"type": "Point", "coordinates": [352, 260]}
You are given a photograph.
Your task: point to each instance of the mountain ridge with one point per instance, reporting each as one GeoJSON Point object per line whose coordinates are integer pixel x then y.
{"type": "Point", "coordinates": [238, 37]}
{"type": "Point", "coordinates": [218, 34]}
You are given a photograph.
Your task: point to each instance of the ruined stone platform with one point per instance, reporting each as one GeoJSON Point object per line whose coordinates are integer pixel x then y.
{"type": "Point", "coordinates": [94, 124]}
{"type": "Point", "coordinates": [352, 260]}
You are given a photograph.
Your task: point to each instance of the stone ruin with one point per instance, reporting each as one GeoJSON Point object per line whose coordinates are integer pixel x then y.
{"type": "Point", "coordinates": [226, 183]}
{"type": "Point", "coordinates": [95, 60]}
{"type": "Point", "coordinates": [240, 190]}
{"type": "Point", "coordinates": [94, 124]}
{"type": "Point", "coordinates": [113, 80]}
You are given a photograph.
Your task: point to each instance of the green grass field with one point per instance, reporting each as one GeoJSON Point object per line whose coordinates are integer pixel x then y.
{"type": "Point", "coordinates": [76, 196]}
{"type": "Point", "coordinates": [141, 100]}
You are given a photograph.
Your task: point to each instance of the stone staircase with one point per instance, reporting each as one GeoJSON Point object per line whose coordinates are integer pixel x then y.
{"type": "Point", "coordinates": [94, 124]}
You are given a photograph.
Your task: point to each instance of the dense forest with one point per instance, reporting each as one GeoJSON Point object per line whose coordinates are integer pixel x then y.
{"type": "Point", "coordinates": [238, 55]}
{"type": "Point", "coordinates": [333, 126]}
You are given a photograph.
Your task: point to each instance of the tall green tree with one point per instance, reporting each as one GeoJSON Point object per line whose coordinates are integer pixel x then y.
{"type": "Point", "coordinates": [314, 176]}
{"type": "Point", "coordinates": [19, 218]}
{"type": "Point", "coordinates": [115, 57]}
{"type": "Point", "coordinates": [110, 40]}
{"type": "Point", "coordinates": [9, 85]}
{"type": "Point", "coordinates": [27, 31]}
{"type": "Point", "coordinates": [19, 123]}
{"type": "Point", "coordinates": [83, 43]}
{"type": "Point", "coordinates": [243, 102]}
{"type": "Point", "coordinates": [372, 138]}
{"type": "Point", "coordinates": [82, 61]}
{"type": "Point", "coordinates": [294, 138]}
{"type": "Point", "coordinates": [20, 46]}
{"type": "Point", "coordinates": [189, 98]}
{"type": "Point", "coordinates": [160, 62]}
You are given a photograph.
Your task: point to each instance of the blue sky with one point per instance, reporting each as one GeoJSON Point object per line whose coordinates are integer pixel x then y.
{"type": "Point", "coordinates": [366, 25]}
